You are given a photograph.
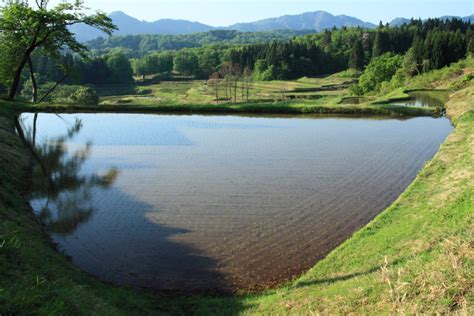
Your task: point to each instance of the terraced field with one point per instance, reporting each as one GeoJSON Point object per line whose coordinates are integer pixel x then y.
{"type": "Point", "coordinates": [199, 92]}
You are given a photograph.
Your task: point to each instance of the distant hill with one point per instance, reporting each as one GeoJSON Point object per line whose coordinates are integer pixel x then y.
{"type": "Point", "coordinates": [401, 21]}
{"type": "Point", "coordinates": [128, 25]}
{"type": "Point", "coordinates": [318, 21]}
{"type": "Point", "coordinates": [315, 21]}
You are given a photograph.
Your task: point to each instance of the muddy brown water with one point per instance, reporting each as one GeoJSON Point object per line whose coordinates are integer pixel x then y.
{"type": "Point", "coordinates": [217, 203]}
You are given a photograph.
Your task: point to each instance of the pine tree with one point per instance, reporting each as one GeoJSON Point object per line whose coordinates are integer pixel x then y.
{"type": "Point", "coordinates": [356, 60]}
{"type": "Point", "coordinates": [379, 46]}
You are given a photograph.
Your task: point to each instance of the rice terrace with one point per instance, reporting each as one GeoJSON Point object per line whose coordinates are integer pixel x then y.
{"type": "Point", "coordinates": [306, 164]}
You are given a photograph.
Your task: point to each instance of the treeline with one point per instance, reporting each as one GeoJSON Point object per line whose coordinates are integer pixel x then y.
{"type": "Point", "coordinates": [431, 44]}
{"type": "Point", "coordinates": [139, 45]}
{"type": "Point", "coordinates": [115, 68]}
{"type": "Point", "coordinates": [436, 43]}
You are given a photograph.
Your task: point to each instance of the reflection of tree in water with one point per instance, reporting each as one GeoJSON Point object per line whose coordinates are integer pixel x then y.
{"type": "Point", "coordinates": [62, 194]}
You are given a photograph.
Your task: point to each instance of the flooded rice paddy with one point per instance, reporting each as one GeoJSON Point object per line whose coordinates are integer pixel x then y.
{"type": "Point", "coordinates": [433, 98]}
{"type": "Point", "coordinates": [216, 203]}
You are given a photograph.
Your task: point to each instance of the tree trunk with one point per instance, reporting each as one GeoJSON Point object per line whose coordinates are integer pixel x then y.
{"type": "Point", "coordinates": [34, 85]}
{"type": "Point", "coordinates": [52, 89]}
{"type": "Point", "coordinates": [35, 120]}
{"type": "Point", "coordinates": [17, 77]}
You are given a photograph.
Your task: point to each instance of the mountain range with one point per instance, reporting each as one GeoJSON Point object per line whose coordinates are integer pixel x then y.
{"type": "Point", "coordinates": [316, 21]}
{"type": "Point", "coordinates": [401, 21]}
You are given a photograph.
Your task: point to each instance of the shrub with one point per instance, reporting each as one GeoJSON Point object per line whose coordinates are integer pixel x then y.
{"type": "Point", "coordinates": [381, 69]}
{"type": "Point", "coordinates": [85, 96]}
{"type": "Point", "coordinates": [70, 94]}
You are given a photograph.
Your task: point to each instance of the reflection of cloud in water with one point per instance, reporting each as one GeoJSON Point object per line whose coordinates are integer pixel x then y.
{"type": "Point", "coordinates": [107, 130]}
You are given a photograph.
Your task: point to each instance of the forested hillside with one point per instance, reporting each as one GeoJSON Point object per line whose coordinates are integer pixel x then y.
{"type": "Point", "coordinates": [431, 44]}
{"type": "Point", "coordinates": [138, 45]}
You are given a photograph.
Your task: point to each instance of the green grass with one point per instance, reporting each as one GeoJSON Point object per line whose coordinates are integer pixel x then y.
{"type": "Point", "coordinates": [321, 106]}
{"type": "Point", "coordinates": [415, 257]}
{"type": "Point", "coordinates": [198, 92]}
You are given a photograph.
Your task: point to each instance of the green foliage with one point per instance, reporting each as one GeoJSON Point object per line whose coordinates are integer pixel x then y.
{"type": "Point", "coordinates": [470, 48]}
{"type": "Point", "coordinates": [85, 95]}
{"type": "Point", "coordinates": [263, 71]}
{"type": "Point", "coordinates": [209, 60]}
{"type": "Point", "coordinates": [380, 69]}
{"type": "Point", "coordinates": [357, 58]}
{"type": "Point", "coordinates": [186, 62]}
{"type": "Point", "coordinates": [120, 68]}
{"type": "Point", "coordinates": [24, 29]}
{"type": "Point", "coordinates": [143, 44]}
{"type": "Point", "coordinates": [153, 64]}
{"type": "Point", "coordinates": [427, 45]}
{"type": "Point", "coordinates": [69, 94]}
{"type": "Point", "coordinates": [381, 43]}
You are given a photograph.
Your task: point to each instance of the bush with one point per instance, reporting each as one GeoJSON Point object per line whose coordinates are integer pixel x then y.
{"type": "Point", "coordinates": [61, 94]}
{"type": "Point", "coordinates": [355, 90]}
{"type": "Point", "coordinates": [263, 71]}
{"type": "Point", "coordinates": [85, 96]}
{"type": "Point", "coordinates": [381, 69]}
{"type": "Point", "coordinates": [71, 94]}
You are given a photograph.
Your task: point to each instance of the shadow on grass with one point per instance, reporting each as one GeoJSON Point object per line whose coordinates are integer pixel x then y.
{"type": "Point", "coordinates": [301, 284]}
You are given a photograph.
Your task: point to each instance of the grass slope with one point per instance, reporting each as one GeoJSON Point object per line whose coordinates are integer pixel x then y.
{"type": "Point", "coordinates": [416, 256]}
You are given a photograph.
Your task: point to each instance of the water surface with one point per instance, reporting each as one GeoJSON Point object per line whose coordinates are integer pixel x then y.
{"type": "Point", "coordinates": [217, 202]}
{"type": "Point", "coordinates": [433, 98]}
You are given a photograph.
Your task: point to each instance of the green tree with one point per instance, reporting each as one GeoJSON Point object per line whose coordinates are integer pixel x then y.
{"type": "Point", "coordinates": [357, 58]}
{"type": "Point", "coordinates": [379, 70]}
{"type": "Point", "coordinates": [381, 44]}
{"type": "Point", "coordinates": [120, 68]}
{"type": "Point", "coordinates": [24, 29]}
{"type": "Point", "coordinates": [186, 62]}
{"type": "Point", "coordinates": [139, 67]}
{"type": "Point", "coordinates": [209, 60]}
{"type": "Point", "coordinates": [410, 64]}
{"type": "Point", "coordinates": [164, 62]}
{"type": "Point", "coordinates": [470, 48]}
{"type": "Point", "coordinates": [86, 96]}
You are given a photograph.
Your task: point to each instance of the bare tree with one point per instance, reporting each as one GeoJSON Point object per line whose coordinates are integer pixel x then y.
{"type": "Point", "coordinates": [235, 76]}
{"type": "Point", "coordinates": [225, 71]}
{"type": "Point", "coordinates": [247, 79]}
{"type": "Point", "coordinates": [214, 82]}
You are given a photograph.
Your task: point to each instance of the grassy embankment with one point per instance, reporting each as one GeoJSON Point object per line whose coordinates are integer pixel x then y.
{"type": "Point", "coordinates": [416, 256]}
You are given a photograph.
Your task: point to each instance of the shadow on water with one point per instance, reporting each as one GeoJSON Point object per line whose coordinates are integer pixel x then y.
{"type": "Point", "coordinates": [197, 204]}
{"type": "Point", "coordinates": [64, 198]}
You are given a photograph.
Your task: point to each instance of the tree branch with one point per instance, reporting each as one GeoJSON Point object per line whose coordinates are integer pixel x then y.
{"type": "Point", "coordinates": [52, 89]}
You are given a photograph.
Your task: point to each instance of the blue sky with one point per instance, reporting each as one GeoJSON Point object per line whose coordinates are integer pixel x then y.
{"type": "Point", "coordinates": [225, 12]}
